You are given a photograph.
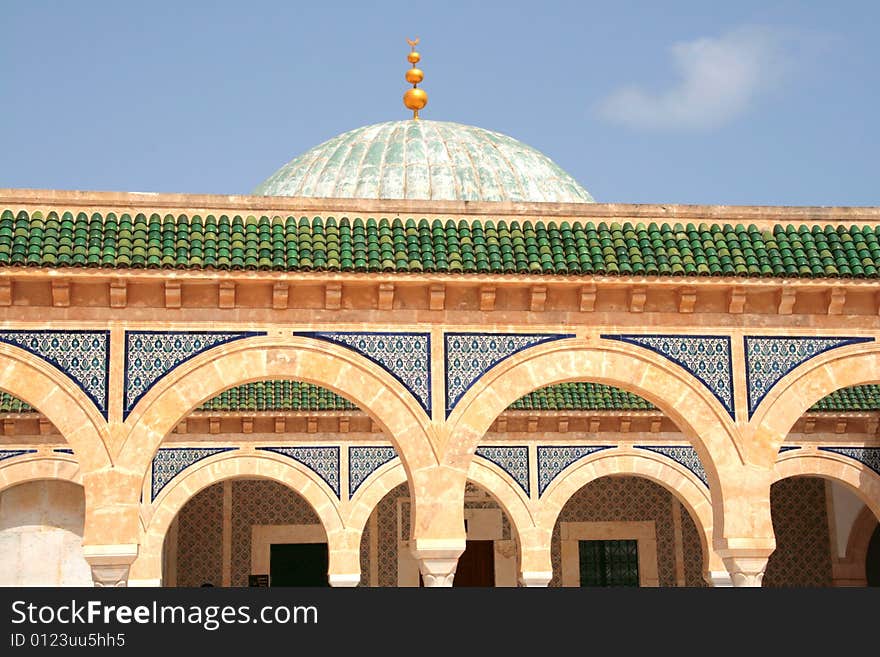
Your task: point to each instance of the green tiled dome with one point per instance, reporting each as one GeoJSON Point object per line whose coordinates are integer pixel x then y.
{"type": "Point", "coordinates": [10, 404]}
{"type": "Point", "coordinates": [277, 396]}
{"type": "Point", "coordinates": [421, 159]}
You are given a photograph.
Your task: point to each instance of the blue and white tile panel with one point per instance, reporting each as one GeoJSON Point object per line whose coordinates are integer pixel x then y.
{"type": "Point", "coordinates": [171, 461]}
{"type": "Point", "coordinates": [513, 460]}
{"type": "Point", "coordinates": [686, 456]}
{"type": "Point", "coordinates": [869, 456]}
{"type": "Point", "coordinates": [771, 357]}
{"type": "Point", "coordinates": [552, 460]}
{"type": "Point", "coordinates": [405, 356]}
{"type": "Point", "coordinates": [323, 461]}
{"type": "Point", "coordinates": [150, 355]}
{"type": "Point", "coordinates": [12, 453]}
{"type": "Point", "coordinates": [84, 356]}
{"type": "Point", "coordinates": [467, 356]}
{"type": "Point", "coordinates": [707, 357]}
{"type": "Point", "coordinates": [364, 461]}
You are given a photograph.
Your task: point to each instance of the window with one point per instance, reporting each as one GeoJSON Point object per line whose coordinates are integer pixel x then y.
{"type": "Point", "coordinates": [609, 563]}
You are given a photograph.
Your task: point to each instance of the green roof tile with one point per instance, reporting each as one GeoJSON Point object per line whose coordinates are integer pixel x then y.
{"type": "Point", "coordinates": [251, 243]}
{"type": "Point", "coordinates": [579, 396]}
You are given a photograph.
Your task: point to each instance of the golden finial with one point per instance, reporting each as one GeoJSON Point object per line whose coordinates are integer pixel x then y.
{"type": "Point", "coordinates": [415, 98]}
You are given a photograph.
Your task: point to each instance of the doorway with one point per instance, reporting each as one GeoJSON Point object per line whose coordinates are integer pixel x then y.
{"type": "Point", "coordinates": [476, 565]}
{"type": "Point", "coordinates": [298, 564]}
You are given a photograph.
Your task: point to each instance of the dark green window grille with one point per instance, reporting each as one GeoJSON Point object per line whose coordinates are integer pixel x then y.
{"type": "Point", "coordinates": [609, 563]}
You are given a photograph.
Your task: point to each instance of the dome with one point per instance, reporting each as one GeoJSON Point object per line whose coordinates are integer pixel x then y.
{"type": "Point", "coordinates": [433, 160]}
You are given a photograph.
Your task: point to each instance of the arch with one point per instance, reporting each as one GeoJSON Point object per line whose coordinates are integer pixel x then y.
{"type": "Point", "coordinates": [278, 357]}
{"type": "Point", "coordinates": [800, 389]}
{"type": "Point", "coordinates": [232, 465]}
{"type": "Point", "coordinates": [677, 479]}
{"type": "Point", "coordinates": [21, 471]}
{"type": "Point", "coordinates": [381, 482]}
{"type": "Point", "coordinates": [683, 398]}
{"type": "Point", "coordinates": [863, 481]}
{"type": "Point", "coordinates": [506, 492]}
{"type": "Point", "coordinates": [64, 404]}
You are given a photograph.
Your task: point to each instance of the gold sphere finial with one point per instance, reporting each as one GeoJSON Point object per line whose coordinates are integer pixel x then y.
{"type": "Point", "coordinates": [415, 98]}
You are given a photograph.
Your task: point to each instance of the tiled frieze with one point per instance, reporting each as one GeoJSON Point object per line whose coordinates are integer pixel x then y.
{"type": "Point", "coordinates": [406, 356]}
{"type": "Point", "coordinates": [552, 460]}
{"type": "Point", "coordinates": [686, 456]}
{"type": "Point", "coordinates": [323, 461]}
{"type": "Point", "coordinates": [513, 460]}
{"type": "Point", "coordinates": [869, 456]}
{"type": "Point", "coordinates": [171, 461]}
{"type": "Point", "coordinates": [468, 356]}
{"type": "Point", "coordinates": [707, 357]}
{"type": "Point", "coordinates": [84, 356]}
{"type": "Point", "coordinates": [364, 461]}
{"type": "Point", "coordinates": [769, 358]}
{"type": "Point", "coordinates": [150, 355]}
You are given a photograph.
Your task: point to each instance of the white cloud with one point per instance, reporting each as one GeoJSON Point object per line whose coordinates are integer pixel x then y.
{"type": "Point", "coordinates": [719, 80]}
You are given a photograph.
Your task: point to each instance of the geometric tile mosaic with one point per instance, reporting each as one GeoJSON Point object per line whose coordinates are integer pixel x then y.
{"type": "Point", "coordinates": [171, 461]}
{"type": "Point", "coordinates": [467, 356]}
{"type": "Point", "coordinates": [869, 456]}
{"type": "Point", "coordinates": [513, 460]}
{"type": "Point", "coordinates": [84, 356]}
{"type": "Point", "coordinates": [364, 461]}
{"type": "Point", "coordinates": [769, 358]}
{"type": "Point", "coordinates": [323, 461]}
{"type": "Point", "coordinates": [11, 453]}
{"type": "Point", "coordinates": [405, 356]}
{"type": "Point", "coordinates": [150, 355]}
{"type": "Point", "coordinates": [553, 460]}
{"type": "Point", "coordinates": [686, 456]}
{"type": "Point", "coordinates": [707, 357]}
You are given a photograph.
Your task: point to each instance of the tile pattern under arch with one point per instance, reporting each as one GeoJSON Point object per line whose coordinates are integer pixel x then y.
{"type": "Point", "coordinates": [552, 460]}
{"type": "Point", "coordinates": [12, 453]}
{"type": "Point", "coordinates": [323, 461]}
{"type": "Point", "coordinates": [171, 461]}
{"type": "Point", "coordinates": [405, 356]}
{"type": "Point", "coordinates": [150, 355]}
{"type": "Point", "coordinates": [707, 357]}
{"type": "Point", "coordinates": [685, 455]}
{"type": "Point", "coordinates": [513, 460]}
{"type": "Point", "coordinates": [364, 461]}
{"type": "Point", "coordinates": [83, 356]}
{"type": "Point", "coordinates": [869, 456]}
{"type": "Point", "coordinates": [467, 356]}
{"type": "Point", "coordinates": [771, 357]}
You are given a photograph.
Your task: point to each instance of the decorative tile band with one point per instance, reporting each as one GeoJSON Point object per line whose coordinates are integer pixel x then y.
{"type": "Point", "coordinates": [686, 456]}
{"type": "Point", "coordinates": [513, 460]}
{"type": "Point", "coordinates": [707, 357]}
{"type": "Point", "coordinates": [323, 461]}
{"type": "Point", "coordinates": [869, 456]}
{"type": "Point", "coordinates": [150, 355]}
{"type": "Point", "coordinates": [553, 460]}
{"type": "Point", "coordinates": [771, 357]}
{"type": "Point", "coordinates": [12, 453]}
{"type": "Point", "coordinates": [467, 356]}
{"type": "Point", "coordinates": [364, 461]}
{"type": "Point", "coordinates": [84, 356]}
{"type": "Point", "coordinates": [171, 461]}
{"type": "Point", "coordinates": [788, 448]}
{"type": "Point", "coordinates": [63, 450]}
{"type": "Point", "coordinates": [405, 356]}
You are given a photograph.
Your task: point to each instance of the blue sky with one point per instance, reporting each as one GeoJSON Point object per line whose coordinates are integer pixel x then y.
{"type": "Point", "coordinates": [765, 103]}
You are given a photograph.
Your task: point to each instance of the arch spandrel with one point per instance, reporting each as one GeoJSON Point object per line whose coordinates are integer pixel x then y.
{"type": "Point", "coordinates": [64, 404]}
